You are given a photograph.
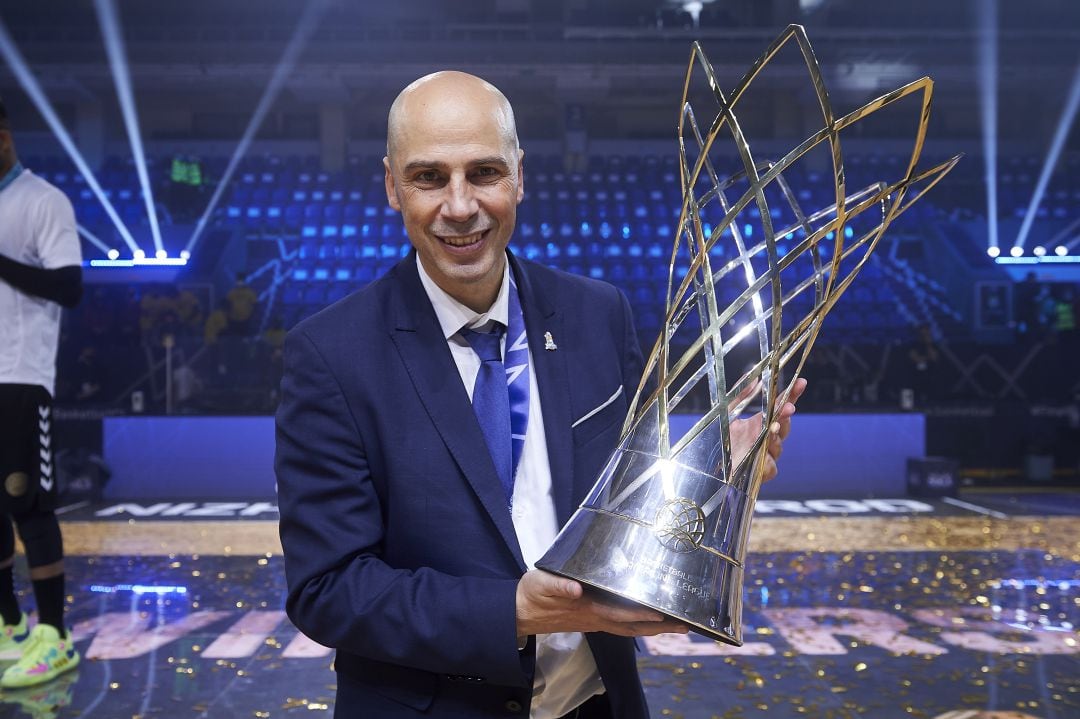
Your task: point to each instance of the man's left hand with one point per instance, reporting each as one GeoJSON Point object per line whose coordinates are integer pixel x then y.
{"type": "Point", "coordinates": [745, 431]}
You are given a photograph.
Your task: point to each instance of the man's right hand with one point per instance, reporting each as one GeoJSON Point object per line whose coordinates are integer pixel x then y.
{"type": "Point", "coordinates": [548, 603]}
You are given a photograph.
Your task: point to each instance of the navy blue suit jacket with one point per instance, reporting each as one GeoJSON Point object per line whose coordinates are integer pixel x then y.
{"type": "Point", "coordinates": [399, 548]}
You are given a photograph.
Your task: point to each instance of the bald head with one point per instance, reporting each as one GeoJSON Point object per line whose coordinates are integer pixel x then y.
{"type": "Point", "coordinates": [452, 96]}
{"type": "Point", "coordinates": [453, 169]}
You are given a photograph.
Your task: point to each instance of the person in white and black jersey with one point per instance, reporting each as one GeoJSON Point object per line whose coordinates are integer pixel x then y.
{"type": "Point", "coordinates": [40, 272]}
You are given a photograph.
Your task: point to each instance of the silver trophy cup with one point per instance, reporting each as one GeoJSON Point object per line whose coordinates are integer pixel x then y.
{"type": "Point", "coordinates": [752, 275]}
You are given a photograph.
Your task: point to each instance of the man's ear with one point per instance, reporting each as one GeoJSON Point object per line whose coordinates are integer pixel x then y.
{"type": "Point", "coordinates": [391, 185]}
{"type": "Point", "coordinates": [521, 176]}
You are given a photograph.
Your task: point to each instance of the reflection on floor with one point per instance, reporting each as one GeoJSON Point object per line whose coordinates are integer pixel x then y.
{"type": "Point", "coordinates": [942, 615]}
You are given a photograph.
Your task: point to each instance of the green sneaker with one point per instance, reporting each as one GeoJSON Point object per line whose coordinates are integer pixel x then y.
{"type": "Point", "coordinates": [46, 655]}
{"type": "Point", "coordinates": [12, 637]}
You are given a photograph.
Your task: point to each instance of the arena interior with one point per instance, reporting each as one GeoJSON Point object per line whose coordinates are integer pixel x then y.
{"type": "Point", "coordinates": [918, 554]}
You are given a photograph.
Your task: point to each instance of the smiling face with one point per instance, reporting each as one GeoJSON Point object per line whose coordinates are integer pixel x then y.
{"type": "Point", "coordinates": [453, 171]}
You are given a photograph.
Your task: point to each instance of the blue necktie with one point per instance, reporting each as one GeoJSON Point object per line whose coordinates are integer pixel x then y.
{"type": "Point", "coordinates": [491, 402]}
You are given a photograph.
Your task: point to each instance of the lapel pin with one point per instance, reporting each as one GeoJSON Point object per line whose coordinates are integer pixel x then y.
{"type": "Point", "coordinates": [549, 343]}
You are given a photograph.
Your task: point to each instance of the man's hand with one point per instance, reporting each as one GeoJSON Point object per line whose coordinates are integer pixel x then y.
{"type": "Point", "coordinates": [745, 431]}
{"type": "Point", "coordinates": [548, 603]}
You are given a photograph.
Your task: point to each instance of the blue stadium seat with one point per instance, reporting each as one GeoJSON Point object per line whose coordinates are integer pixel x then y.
{"type": "Point", "coordinates": [293, 217]}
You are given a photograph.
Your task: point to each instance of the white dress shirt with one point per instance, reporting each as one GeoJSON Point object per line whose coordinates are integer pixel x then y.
{"type": "Point", "coordinates": [566, 674]}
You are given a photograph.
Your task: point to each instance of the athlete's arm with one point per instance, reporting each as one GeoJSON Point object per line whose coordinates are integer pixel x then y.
{"type": "Point", "coordinates": [62, 285]}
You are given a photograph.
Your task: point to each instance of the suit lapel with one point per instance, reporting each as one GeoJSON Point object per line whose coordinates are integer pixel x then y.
{"type": "Point", "coordinates": [415, 331]}
{"type": "Point", "coordinates": [542, 316]}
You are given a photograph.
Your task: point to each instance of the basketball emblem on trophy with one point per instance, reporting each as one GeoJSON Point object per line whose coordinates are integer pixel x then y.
{"type": "Point", "coordinates": [680, 525]}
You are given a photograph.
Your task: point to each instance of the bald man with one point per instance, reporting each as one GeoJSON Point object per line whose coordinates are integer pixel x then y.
{"type": "Point", "coordinates": [436, 429]}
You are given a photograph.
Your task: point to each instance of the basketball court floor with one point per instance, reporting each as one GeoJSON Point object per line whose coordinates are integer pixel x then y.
{"type": "Point", "coordinates": [939, 608]}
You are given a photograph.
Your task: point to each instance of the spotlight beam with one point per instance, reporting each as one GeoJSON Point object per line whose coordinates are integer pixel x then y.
{"type": "Point", "coordinates": [114, 47]}
{"type": "Point", "coordinates": [1060, 134]}
{"type": "Point", "coordinates": [33, 89]}
{"type": "Point", "coordinates": [987, 77]}
{"type": "Point", "coordinates": [304, 29]}
{"type": "Point", "coordinates": [1057, 239]}
{"type": "Point", "coordinates": [93, 239]}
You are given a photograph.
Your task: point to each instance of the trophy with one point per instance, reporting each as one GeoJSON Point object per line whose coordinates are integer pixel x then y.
{"type": "Point", "coordinates": [667, 522]}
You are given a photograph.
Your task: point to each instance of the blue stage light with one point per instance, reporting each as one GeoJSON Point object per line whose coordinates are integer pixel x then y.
{"type": "Point", "coordinates": [305, 27]}
{"type": "Point", "coordinates": [138, 588]}
{"type": "Point", "coordinates": [93, 239]}
{"type": "Point", "coordinates": [114, 47]}
{"type": "Point", "coordinates": [151, 589]}
{"type": "Point", "coordinates": [33, 89]}
{"type": "Point", "coordinates": [1045, 260]}
{"type": "Point", "coordinates": [1068, 114]}
{"type": "Point", "coordinates": [987, 81]}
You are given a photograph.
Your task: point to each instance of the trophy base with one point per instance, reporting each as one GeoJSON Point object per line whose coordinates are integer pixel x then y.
{"type": "Point", "coordinates": [698, 588]}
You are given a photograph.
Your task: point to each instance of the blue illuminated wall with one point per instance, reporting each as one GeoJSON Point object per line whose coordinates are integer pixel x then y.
{"type": "Point", "coordinates": [834, 455]}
